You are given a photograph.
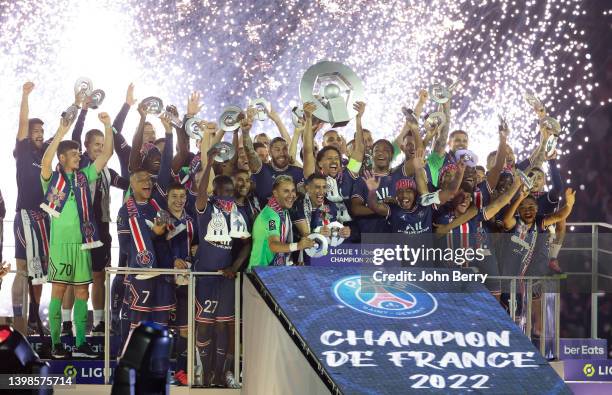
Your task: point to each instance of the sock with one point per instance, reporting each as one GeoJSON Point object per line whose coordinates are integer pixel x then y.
{"type": "Point", "coordinates": [204, 344]}
{"type": "Point", "coordinates": [221, 340]}
{"type": "Point", "coordinates": [55, 314]}
{"type": "Point", "coordinates": [33, 314]}
{"type": "Point", "coordinates": [80, 320]}
{"type": "Point", "coordinates": [181, 353]}
{"type": "Point", "coordinates": [553, 251]}
{"type": "Point", "coordinates": [66, 315]}
{"type": "Point", "coordinates": [98, 316]}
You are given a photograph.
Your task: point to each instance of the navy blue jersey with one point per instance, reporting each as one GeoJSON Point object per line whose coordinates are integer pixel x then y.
{"type": "Point", "coordinates": [212, 256]}
{"type": "Point", "coordinates": [415, 221]}
{"type": "Point", "coordinates": [264, 179]}
{"type": "Point", "coordinates": [373, 223]}
{"type": "Point", "coordinates": [29, 191]}
{"type": "Point", "coordinates": [181, 243]}
{"type": "Point", "coordinates": [341, 197]}
{"type": "Point", "coordinates": [525, 249]}
{"type": "Point", "coordinates": [126, 238]}
{"type": "Point", "coordinates": [467, 235]}
{"type": "Point", "coordinates": [482, 195]}
{"type": "Point", "coordinates": [319, 216]}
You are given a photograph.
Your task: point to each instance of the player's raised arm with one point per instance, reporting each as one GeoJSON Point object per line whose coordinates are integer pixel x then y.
{"type": "Point", "coordinates": [501, 201]}
{"type": "Point", "coordinates": [440, 143]}
{"type": "Point", "coordinates": [500, 156]}
{"type": "Point", "coordinates": [509, 221]}
{"type": "Point", "coordinates": [359, 146]}
{"type": "Point", "coordinates": [293, 147]}
{"type": "Point", "coordinates": [107, 150]}
{"type": "Point", "coordinates": [135, 154]}
{"type": "Point", "coordinates": [202, 199]}
{"type": "Point", "coordinates": [254, 161]}
{"type": "Point", "coordinates": [564, 212]}
{"type": "Point", "coordinates": [442, 229]}
{"type": "Point", "coordinates": [372, 183]}
{"type": "Point", "coordinates": [279, 124]}
{"type": "Point", "coordinates": [444, 195]}
{"type": "Point", "coordinates": [24, 111]}
{"type": "Point", "coordinates": [165, 175]}
{"type": "Point", "coordinates": [308, 140]}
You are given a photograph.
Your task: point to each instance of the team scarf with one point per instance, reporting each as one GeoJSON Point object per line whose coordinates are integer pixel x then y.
{"type": "Point", "coordinates": [103, 183]}
{"type": "Point", "coordinates": [334, 195]}
{"type": "Point", "coordinates": [218, 230]}
{"type": "Point", "coordinates": [323, 212]}
{"type": "Point", "coordinates": [178, 225]}
{"type": "Point", "coordinates": [188, 180]}
{"type": "Point", "coordinates": [59, 190]}
{"type": "Point", "coordinates": [140, 230]}
{"type": "Point", "coordinates": [286, 234]}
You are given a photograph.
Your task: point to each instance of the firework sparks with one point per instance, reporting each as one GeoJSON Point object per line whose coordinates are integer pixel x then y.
{"type": "Point", "coordinates": [234, 51]}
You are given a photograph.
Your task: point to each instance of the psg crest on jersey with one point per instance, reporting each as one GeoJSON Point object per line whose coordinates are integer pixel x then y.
{"type": "Point", "coordinates": [398, 301]}
{"type": "Point", "coordinates": [144, 258]}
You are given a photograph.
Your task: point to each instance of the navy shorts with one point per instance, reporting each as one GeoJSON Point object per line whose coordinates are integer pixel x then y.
{"type": "Point", "coordinates": [178, 316]}
{"type": "Point", "coordinates": [101, 256]}
{"type": "Point", "coordinates": [151, 299]}
{"type": "Point", "coordinates": [39, 231]}
{"type": "Point", "coordinates": [214, 300]}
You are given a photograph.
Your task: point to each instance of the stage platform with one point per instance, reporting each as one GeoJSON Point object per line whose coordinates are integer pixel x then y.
{"type": "Point", "coordinates": [311, 330]}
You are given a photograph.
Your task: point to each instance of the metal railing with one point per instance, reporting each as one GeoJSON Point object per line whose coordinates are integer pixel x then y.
{"type": "Point", "coordinates": [529, 284]}
{"type": "Point", "coordinates": [595, 275]}
{"type": "Point", "coordinates": [190, 316]}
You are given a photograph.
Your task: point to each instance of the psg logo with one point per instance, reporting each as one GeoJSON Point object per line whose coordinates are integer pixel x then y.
{"type": "Point", "coordinates": [144, 258]}
{"type": "Point", "coordinates": [399, 301]}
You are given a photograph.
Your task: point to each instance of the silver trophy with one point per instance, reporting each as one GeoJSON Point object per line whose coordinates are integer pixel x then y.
{"type": "Point", "coordinates": [173, 116]}
{"type": "Point", "coordinates": [551, 124]}
{"type": "Point", "coordinates": [192, 128]}
{"type": "Point", "coordinates": [320, 246]}
{"type": "Point", "coordinates": [297, 116]}
{"type": "Point", "coordinates": [163, 217]}
{"type": "Point", "coordinates": [335, 238]}
{"type": "Point", "coordinates": [225, 151]}
{"type": "Point", "coordinates": [410, 117]}
{"type": "Point", "coordinates": [527, 181]}
{"type": "Point", "coordinates": [263, 107]}
{"type": "Point", "coordinates": [551, 145]}
{"type": "Point", "coordinates": [153, 105]}
{"type": "Point", "coordinates": [96, 98]}
{"type": "Point", "coordinates": [230, 118]}
{"type": "Point", "coordinates": [334, 88]}
{"type": "Point", "coordinates": [533, 100]}
{"type": "Point", "coordinates": [435, 120]}
{"type": "Point", "coordinates": [468, 157]}
{"type": "Point", "coordinates": [70, 114]}
{"type": "Point", "coordinates": [442, 94]}
{"type": "Point", "coordinates": [83, 87]}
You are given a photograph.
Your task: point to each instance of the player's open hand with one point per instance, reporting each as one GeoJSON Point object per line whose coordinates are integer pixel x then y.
{"type": "Point", "coordinates": [371, 182]}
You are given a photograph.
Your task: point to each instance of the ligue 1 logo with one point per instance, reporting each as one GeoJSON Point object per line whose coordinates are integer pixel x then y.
{"type": "Point", "coordinates": [589, 370]}
{"type": "Point", "coordinates": [401, 301]}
